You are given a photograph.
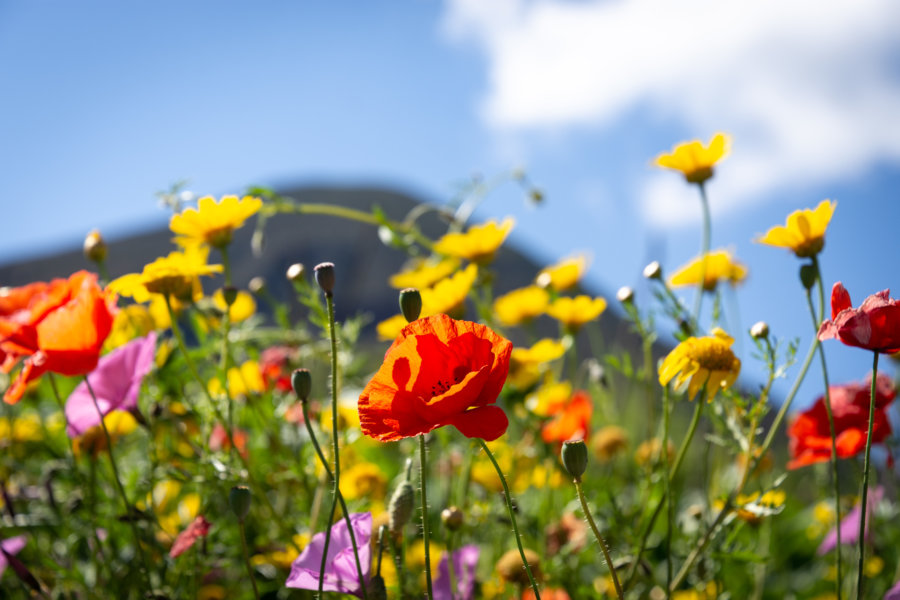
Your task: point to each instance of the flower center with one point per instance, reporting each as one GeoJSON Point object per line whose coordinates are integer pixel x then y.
{"type": "Point", "coordinates": [714, 356]}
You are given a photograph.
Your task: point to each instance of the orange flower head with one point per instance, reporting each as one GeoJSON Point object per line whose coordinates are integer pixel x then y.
{"type": "Point", "coordinates": [572, 422]}
{"type": "Point", "coordinates": [439, 371]}
{"type": "Point", "coordinates": [58, 327]}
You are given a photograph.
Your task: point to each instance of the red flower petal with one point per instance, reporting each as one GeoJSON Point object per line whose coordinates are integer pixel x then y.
{"type": "Point", "coordinates": [198, 528]}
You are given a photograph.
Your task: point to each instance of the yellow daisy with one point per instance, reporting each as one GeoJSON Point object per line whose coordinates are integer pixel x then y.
{"type": "Point", "coordinates": [564, 274]}
{"type": "Point", "coordinates": [119, 423]}
{"type": "Point", "coordinates": [694, 160]}
{"type": "Point", "coordinates": [575, 312]}
{"type": "Point", "coordinates": [176, 275]}
{"type": "Point", "coordinates": [213, 222]}
{"type": "Point", "coordinates": [525, 363]}
{"type": "Point", "coordinates": [549, 398]}
{"type": "Point", "coordinates": [521, 305]}
{"type": "Point", "coordinates": [243, 308]}
{"type": "Point", "coordinates": [130, 322]}
{"type": "Point", "coordinates": [424, 273]}
{"type": "Point", "coordinates": [478, 244]}
{"type": "Point", "coordinates": [242, 381]}
{"type": "Point", "coordinates": [702, 360]}
{"type": "Point", "coordinates": [720, 266]}
{"type": "Point", "coordinates": [804, 233]}
{"type": "Point", "coordinates": [363, 480]}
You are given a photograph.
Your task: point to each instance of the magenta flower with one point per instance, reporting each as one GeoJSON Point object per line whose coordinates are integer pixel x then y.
{"type": "Point", "coordinates": [10, 546]}
{"type": "Point", "coordinates": [850, 524]}
{"type": "Point", "coordinates": [893, 593]}
{"type": "Point", "coordinates": [340, 565]}
{"type": "Point", "coordinates": [465, 560]}
{"type": "Point", "coordinates": [116, 381]}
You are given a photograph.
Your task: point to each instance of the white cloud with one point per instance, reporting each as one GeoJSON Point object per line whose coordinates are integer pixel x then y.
{"type": "Point", "coordinates": [804, 86]}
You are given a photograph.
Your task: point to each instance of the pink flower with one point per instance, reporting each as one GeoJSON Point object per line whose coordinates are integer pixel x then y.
{"type": "Point", "coordinates": [198, 528]}
{"type": "Point", "coordinates": [116, 382]}
{"type": "Point", "coordinates": [850, 524]}
{"type": "Point", "coordinates": [875, 325]}
{"type": "Point", "coordinates": [10, 546]}
{"type": "Point", "coordinates": [340, 566]}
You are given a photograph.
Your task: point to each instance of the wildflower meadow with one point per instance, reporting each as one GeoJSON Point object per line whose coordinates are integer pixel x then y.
{"type": "Point", "coordinates": [174, 433]}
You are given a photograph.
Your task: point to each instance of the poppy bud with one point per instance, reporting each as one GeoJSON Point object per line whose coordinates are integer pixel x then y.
{"type": "Point", "coordinates": [625, 295]}
{"type": "Point", "coordinates": [808, 276]}
{"type": "Point", "coordinates": [301, 381]}
{"type": "Point", "coordinates": [575, 457]}
{"type": "Point", "coordinates": [401, 506]}
{"type": "Point", "coordinates": [296, 273]}
{"type": "Point", "coordinates": [410, 304]}
{"type": "Point", "coordinates": [229, 293]}
{"type": "Point", "coordinates": [377, 589]}
{"type": "Point", "coordinates": [257, 285]}
{"type": "Point", "coordinates": [760, 330]}
{"type": "Point", "coordinates": [94, 247]}
{"type": "Point", "coordinates": [239, 500]}
{"type": "Point", "coordinates": [653, 271]}
{"type": "Point", "coordinates": [452, 517]}
{"type": "Point", "coordinates": [325, 277]}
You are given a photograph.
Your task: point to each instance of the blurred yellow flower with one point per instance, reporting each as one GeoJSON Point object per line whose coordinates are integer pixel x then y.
{"type": "Point", "coordinates": [282, 558]}
{"type": "Point", "coordinates": [549, 398]}
{"type": "Point", "coordinates": [176, 275]}
{"type": "Point", "coordinates": [521, 305]}
{"type": "Point", "coordinates": [24, 428]}
{"type": "Point", "coordinates": [424, 273]}
{"type": "Point", "coordinates": [720, 266]}
{"type": "Point", "coordinates": [575, 312]}
{"type": "Point", "coordinates": [542, 351]}
{"type": "Point", "coordinates": [873, 566]}
{"type": "Point", "coordinates": [363, 480]}
{"type": "Point", "coordinates": [243, 308]}
{"type": "Point", "coordinates": [564, 274]}
{"type": "Point", "coordinates": [753, 507]}
{"type": "Point", "coordinates": [478, 244]}
{"type": "Point", "coordinates": [119, 423]}
{"type": "Point", "coordinates": [243, 381]}
{"type": "Point", "coordinates": [391, 327]}
{"type": "Point", "coordinates": [804, 232]}
{"type": "Point", "coordinates": [694, 160]}
{"type": "Point", "coordinates": [130, 322]}
{"type": "Point", "coordinates": [213, 222]}
{"type": "Point", "coordinates": [699, 361]}
{"type": "Point", "coordinates": [608, 442]}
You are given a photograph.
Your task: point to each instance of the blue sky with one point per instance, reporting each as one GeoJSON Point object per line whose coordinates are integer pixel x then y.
{"type": "Point", "coordinates": [107, 102]}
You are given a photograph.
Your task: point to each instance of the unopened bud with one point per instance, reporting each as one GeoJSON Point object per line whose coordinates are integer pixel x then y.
{"type": "Point", "coordinates": [575, 458]}
{"type": "Point", "coordinates": [257, 285]}
{"type": "Point", "coordinates": [543, 280]}
{"type": "Point", "coordinates": [94, 247]}
{"type": "Point", "coordinates": [625, 295]}
{"type": "Point", "coordinates": [536, 195]}
{"type": "Point", "coordinates": [229, 293]}
{"type": "Point", "coordinates": [808, 276]}
{"type": "Point", "coordinates": [301, 381]}
{"type": "Point", "coordinates": [239, 500]}
{"type": "Point", "coordinates": [325, 277]}
{"type": "Point", "coordinates": [402, 502]}
{"type": "Point", "coordinates": [410, 304]}
{"type": "Point", "coordinates": [452, 517]}
{"type": "Point", "coordinates": [760, 330]}
{"type": "Point", "coordinates": [653, 271]}
{"type": "Point", "coordinates": [377, 589]}
{"type": "Point", "coordinates": [296, 273]}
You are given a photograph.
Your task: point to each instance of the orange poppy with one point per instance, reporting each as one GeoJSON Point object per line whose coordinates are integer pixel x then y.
{"type": "Point", "coordinates": [571, 422]}
{"type": "Point", "coordinates": [58, 327]}
{"type": "Point", "coordinates": [439, 371]}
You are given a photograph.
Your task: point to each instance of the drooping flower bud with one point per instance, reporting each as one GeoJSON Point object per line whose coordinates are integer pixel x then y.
{"type": "Point", "coordinates": [402, 503]}
{"type": "Point", "coordinates": [653, 271]}
{"type": "Point", "coordinates": [94, 247]}
{"type": "Point", "coordinates": [625, 295]}
{"type": "Point", "coordinates": [296, 273]}
{"type": "Point", "coordinates": [760, 330]}
{"type": "Point", "coordinates": [239, 500]}
{"type": "Point", "coordinates": [325, 277]}
{"type": "Point", "coordinates": [452, 517]}
{"type": "Point", "coordinates": [229, 293]}
{"type": "Point", "coordinates": [301, 381]}
{"type": "Point", "coordinates": [410, 304]}
{"type": "Point", "coordinates": [575, 458]}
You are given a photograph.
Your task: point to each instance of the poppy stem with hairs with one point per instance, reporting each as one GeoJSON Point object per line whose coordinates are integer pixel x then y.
{"type": "Point", "coordinates": [600, 540]}
{"type": "Point", "coordinates": [817, 320]}
{"type": "Point", "coordinates": [425, 534]}
{"type": "Point", "coordinates": [512, 518]}
{"type": "Point", "coordinates": [247, 558]}
{"type": "Point", "coordinates": [704, 251]}
{"type": "Point", "coordinates": [865, 484]}
{"type": "Point", "coordinates": [121, 489]}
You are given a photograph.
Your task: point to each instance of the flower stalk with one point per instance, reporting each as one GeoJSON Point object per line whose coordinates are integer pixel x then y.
{"type": "Point", "coordinates": [864, 494]}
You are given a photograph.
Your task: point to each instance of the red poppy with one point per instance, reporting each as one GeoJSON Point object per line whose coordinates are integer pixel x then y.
{"type": "Point", "coordinates": [439, 371]}
{"type": "Point", "coordinates": [572, 421]}
{"type": "Point", "coordinates": [198, 528]}
{"type": "Point", "coordinates": [810, 435]}
{"type": "Point", "coordinates": [874, 326]}
{"type": "Point", "coordinates": [275, 365]}
{"type": "Point", "coordinates": [58, 327]}
{"type": "Point", "coordinates": [219, 441]}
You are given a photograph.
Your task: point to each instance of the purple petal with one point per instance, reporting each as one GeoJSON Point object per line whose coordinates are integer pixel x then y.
{"type": "Point", "coordinates": [850, 524]}
{"type": "Point", "coordinates": [465, 561]}
{"type": "Point", "coordinates": [893, 593]}
{"type": "Point", "coordinates": [116, 382]}
{"type": "Point", "coordinates": [12, 546]}
{"type": "Point", "coordinates": [340, 565]}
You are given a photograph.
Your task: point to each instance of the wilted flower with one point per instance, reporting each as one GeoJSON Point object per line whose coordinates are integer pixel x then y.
{"type": "Point", "coordinates": [510, 566]}
{"type": "Point", "coordinates": [804, 233]}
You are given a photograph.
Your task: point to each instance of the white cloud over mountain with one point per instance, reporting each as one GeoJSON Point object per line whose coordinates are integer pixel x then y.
{"type": "Point", "coordinates": [809, 89]}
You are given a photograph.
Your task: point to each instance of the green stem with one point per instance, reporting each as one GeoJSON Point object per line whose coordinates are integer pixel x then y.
{"type": "Point", "coordinates": [425, 535]}
{"type": "Point", "coordinates": [247, 559]}
{"type": "Point", "coordinates": [121, 489]}
{"type": "Point", "coordinates": [860, 581]}
{"type": "Point", "coordinates": [704, 251]}
{"type": "Point", "coordinates": [451, 569]}
{"type": "Point", "coordinates": [600, 540]}
{"type": "Point", "coordinates": [666, 409]}
{"type": "Point", "coordinates": [512, 518]}
{"type": "Point", "coordinates": [223, 364]}
{"type": "Point", "coordinates": [327, 543]}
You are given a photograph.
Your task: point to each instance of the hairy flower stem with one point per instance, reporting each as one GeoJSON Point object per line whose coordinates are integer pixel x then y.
{"type": "Point", "coordinates": [704, 250]}
{"type": "Point", "coordinates": [512, 518]}
{"type": "Point", "coordinates": [666, 409]}
{"type": "Point", "coordinates": [247, 558]}
{"type": "Point", "coordinates": [340, 496]}
{"type": "Point", "coordinates": [817, 319]}
{"type": "Point", "coordinates": [679, 458]}
{"type": "Point", "coordinates": [121, 489]}
{"type": "Point", "coordinates": [600, 540]}
{"type": "Point", "coordinates": [860, 578]}
{"type": "Point", "coordinates": [425, 534]}
{"type": "Point", "coordinates": [223, 364]}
